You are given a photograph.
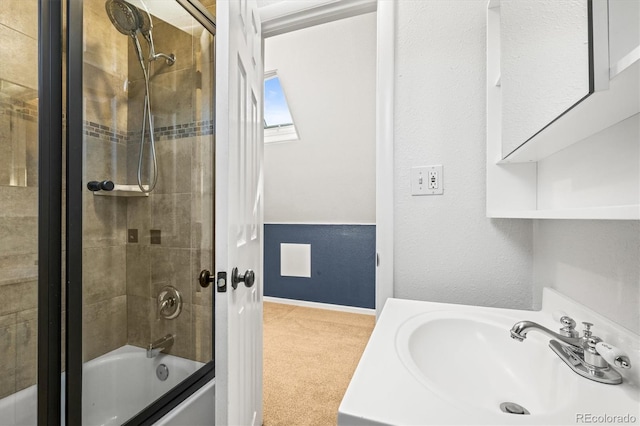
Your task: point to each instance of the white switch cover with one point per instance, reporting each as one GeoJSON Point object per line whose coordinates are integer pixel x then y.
{"type": "Point", "coordinates": [427, 180]}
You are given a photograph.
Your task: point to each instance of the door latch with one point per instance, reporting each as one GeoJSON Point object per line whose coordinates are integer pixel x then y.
{"type": "Point", "coordinates": [221, 282]}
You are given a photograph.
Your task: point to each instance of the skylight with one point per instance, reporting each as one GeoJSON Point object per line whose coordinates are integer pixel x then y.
{"type": "Point", "coordinates": [278, 123]}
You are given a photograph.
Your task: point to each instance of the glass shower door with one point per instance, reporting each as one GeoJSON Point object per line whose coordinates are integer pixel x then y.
{"type": "Point", "coordinates": [147, 204]}
{"type": "Point", "coordinates": [18, 210]}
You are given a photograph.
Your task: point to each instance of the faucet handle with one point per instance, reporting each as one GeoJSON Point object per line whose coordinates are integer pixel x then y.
{"type": "Point", "coordinates": [568, 327]}
{"type": "Point", "coordinates": [587, 329]}
{"type": "Point", "coordinates": [613, 355]}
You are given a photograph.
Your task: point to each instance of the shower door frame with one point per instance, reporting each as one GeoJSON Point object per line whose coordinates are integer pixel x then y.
{"type": "Point", "coordinates": [49, 210]}
{"type": "Point", "coordinates": [50, 215]}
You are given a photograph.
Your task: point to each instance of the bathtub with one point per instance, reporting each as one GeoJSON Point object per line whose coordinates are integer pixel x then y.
{"type": "Point", "coordinates": [118, 385]}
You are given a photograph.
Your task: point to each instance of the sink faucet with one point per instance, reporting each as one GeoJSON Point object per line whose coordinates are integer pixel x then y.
{"type": "Point", "coordinates": [588, 355]}
{"type": "Point", "coordinates": [520, 329]}
{"type": "Point", "coordinates": [159, 345]}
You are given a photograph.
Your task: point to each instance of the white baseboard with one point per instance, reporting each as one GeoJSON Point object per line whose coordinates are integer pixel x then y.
{"type": "Point", "coordinates": [328, 306]}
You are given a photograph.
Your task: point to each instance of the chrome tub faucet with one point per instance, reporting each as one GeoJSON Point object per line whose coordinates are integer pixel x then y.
{"type": "Point", "coordinates": [159, 345]}
{"type": "Point", "coordinates": [588, 355]}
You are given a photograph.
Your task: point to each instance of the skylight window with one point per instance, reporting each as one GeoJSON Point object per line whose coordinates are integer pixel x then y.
{"type": "Point", "coordinates": [278, 123]}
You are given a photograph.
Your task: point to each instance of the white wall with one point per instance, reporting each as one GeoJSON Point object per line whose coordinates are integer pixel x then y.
{"type": "Point", "coordinates": [445, 247]}
{"type": "Point", "coordinates": [596, 262]}
{"type": "Point", "coordinates": [601, 170]}
{"type": "Point", "coordinates": [328, 75]}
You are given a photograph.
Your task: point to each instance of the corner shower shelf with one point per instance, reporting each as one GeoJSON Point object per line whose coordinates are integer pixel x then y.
{"type": "Point", "coordinates": [124, 191]}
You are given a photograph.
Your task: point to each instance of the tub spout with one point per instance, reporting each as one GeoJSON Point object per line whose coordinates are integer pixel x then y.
{"type": "Point", "coordinates": [159, 345]}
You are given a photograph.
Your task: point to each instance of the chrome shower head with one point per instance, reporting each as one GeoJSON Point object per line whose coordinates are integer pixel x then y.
{"type": "Point", "coordinates": [145, 24]}
{"type": "Point", "coordinates": [124, 16]}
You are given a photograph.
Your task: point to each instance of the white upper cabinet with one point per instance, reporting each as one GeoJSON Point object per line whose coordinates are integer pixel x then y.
{"type": "Point", "coordinates": [545, 66]}
{"type": "Point", "coordinates": [563, 107]}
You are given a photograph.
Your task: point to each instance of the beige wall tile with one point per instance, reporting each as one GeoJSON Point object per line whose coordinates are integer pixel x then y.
{"type": "Point", "coordinates": [139, 319]}
{"type": "Point", "coordinates": [139, 217]}
{"type": "Point", "coordinates": [21, 15]}
{"type": "Point", "coordinates": [7, 355]}
{"type": "Point", "coordinates": [171, 266]}
{"type": "Point", "coordinates": [104, 327]}
{"type": "Point", "coordinates": [26, 349]}
{"type": "Point", "coordinates": [202, 334]}
{"type": "Point", "coordinates": [138, 270]}
{"type": "Point", "coordinates": [104, 160]}
{"type": "Point", "coordinates": [173, 97]}
{"type": "Point", "coordinates": [106, 48]}
{"type": "Point", "coordinates": [105, 98]}
{"type": "Point", "coordinates": [174, 162]}
{"type": "Point", "coordinates": [18, 235]}
{"type": "Point", "coordinates": [103, 273]}
{"type": "Point", "coordinates": [19, 297]}
{"type": "Point", "coordinates": [171, 213]}
{"type": "Point", "coordinates": [19, 58]}
{"type": "Point", "coordinates": [104, 220]}
{"type": "Point", "coordinates": [18, 201]}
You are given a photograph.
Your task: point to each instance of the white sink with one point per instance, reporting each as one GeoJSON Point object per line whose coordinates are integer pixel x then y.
{"type": "Point", "coordinates": [435, 364]}
{"type": "Point", "coordinates": [471, 361]}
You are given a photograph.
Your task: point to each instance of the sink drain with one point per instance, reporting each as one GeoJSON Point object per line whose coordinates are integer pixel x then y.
{"type": "Point", "coordinates": [513, 408]}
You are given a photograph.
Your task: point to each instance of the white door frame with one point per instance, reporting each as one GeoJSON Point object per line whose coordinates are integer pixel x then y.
{"type": "Point", "coordinates": [283, 17]}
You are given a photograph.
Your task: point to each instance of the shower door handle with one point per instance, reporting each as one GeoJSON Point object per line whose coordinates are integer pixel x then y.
{"type": "Point", "coordinates": [248, 278]}
{"type": "Point", "coordinates": [205, 278]}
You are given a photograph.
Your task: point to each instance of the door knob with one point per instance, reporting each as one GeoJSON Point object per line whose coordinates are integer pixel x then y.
{"type": "Point", "coordinates": [248, 278]}
{"type": "Point", "coordinates": [205, 278]}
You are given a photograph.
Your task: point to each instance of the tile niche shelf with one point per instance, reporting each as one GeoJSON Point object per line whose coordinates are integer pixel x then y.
{"type": "Point", "coordinates": [515, 188]}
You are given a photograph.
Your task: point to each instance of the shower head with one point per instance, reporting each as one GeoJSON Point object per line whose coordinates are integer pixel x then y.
{"type": "Point", "coordinates": [124, 16]}
{"type": "Point", "coordinates": [145, 24]}
{"type": "Point", "coordinates": [146, 28]}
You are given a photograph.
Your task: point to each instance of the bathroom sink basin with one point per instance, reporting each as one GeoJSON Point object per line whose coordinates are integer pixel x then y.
{"type": "Point", "coordinates": [431, 363]}
{"type": "Point", "coordinates": [471, 361]}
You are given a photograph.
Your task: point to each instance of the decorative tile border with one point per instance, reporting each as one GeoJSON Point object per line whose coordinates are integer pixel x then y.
{"type": "Point", "coordinates": [19, 109]}
{"type": "Point", "coordinates": [28, 112]}
{"type": "Point", "coordinates": [104, 133]}
{"type": "Point", "coordinates": [178, 131]}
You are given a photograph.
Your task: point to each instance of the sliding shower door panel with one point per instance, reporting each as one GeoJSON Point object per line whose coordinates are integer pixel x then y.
{"type": "Point", "coordinates": [146, 205]}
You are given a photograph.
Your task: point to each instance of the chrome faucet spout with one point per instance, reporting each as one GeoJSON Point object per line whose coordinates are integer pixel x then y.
{"type": "Point", "coordinates": [159, 345]}
{"type": "Point", "coordinates": [520, 329]}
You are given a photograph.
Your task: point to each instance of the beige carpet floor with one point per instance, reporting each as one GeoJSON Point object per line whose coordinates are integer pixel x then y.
{"type": "Point", "coordinates": [309, 358]}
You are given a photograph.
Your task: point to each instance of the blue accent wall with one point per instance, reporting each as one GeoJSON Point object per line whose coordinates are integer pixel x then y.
{"type": "Point", "coordinates": [342, 264]}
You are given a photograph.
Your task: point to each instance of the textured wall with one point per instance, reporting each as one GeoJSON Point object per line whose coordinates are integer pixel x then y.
{"type": "Point", "coordinates": [445, 248]}
{"type": "Point", "coordinates": [595, 262]}
{"type": "Point", "coordinates": [328, 76]}
{"type": "Point", "coordinates": [342, 264]}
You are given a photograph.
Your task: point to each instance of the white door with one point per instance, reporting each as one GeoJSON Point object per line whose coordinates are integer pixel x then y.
{"type": "Point", "coordinates": [238, 311]}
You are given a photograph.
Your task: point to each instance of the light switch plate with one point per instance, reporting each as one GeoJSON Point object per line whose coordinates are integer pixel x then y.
{"type": "Point", "coordinates": [427, 180]}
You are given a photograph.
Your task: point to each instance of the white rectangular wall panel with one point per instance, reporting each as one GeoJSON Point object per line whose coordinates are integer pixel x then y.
{"type": "Point", "coordinates": [295, 260]}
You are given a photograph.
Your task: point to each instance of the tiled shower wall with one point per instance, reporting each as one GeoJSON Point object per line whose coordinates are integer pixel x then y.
{"type": "Point", "coordinates": [105, 149]}
{"type": "Point", "coordinates": [180, 207]}
{"type": "Point", "coordinates": [18, 194]}
{"type": "Point", "coordinates": [120, 279]}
